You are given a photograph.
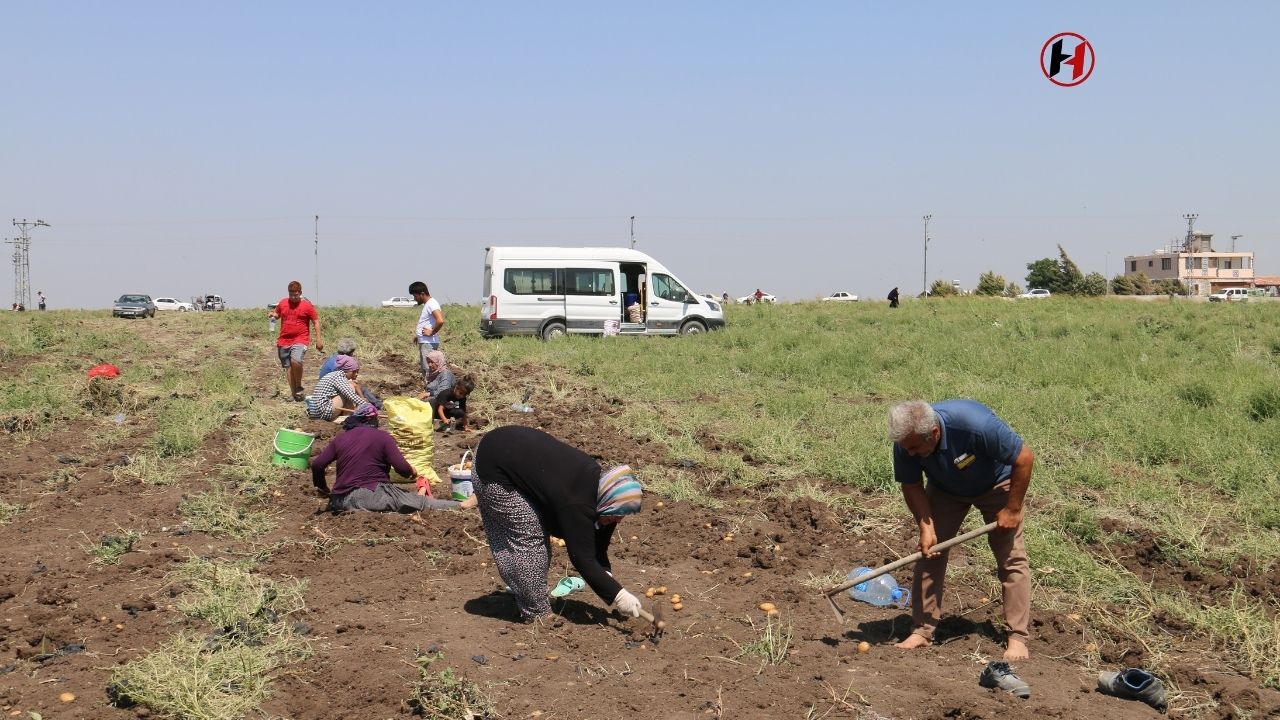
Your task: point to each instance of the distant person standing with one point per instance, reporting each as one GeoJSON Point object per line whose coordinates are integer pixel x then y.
{"type": "Point", "coordinates": [759, 295]}
{"type": "Point", "coordinates": [430, 322]}
{"type": "Point", "coordinates": [40, 299]}
{"type": "Point", "coordinates": [893, 298]}
{"type": "Point", "coordinates": [296, 315]}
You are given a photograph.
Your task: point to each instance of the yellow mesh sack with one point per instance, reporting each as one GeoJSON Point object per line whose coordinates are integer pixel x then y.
{"type": "Point", "coordinates": [409, 422]}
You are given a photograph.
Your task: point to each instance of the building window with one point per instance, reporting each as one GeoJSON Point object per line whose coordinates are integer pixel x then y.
{"type": "Point", "coordinates": [1226, 263]}
{"type": "Point", "coordinates": [1213, 262]}
{"type": "Point", "coordinates": [1166, 263]}
{"type": "Point", "coordinates": [1133, 266]}
{"type": "Point", "coordinates": [1188, 263]}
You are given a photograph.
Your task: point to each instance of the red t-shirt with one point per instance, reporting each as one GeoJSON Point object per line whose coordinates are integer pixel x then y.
{"type": "Point", "coordinates": [294, 329]}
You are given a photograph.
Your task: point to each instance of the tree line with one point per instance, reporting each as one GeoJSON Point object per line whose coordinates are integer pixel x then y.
{"type": "Point", "coordinates": [1061, 276]}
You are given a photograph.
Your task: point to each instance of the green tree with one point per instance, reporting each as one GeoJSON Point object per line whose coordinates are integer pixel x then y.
{"type": "Point", "coordinates": [989, 283]}
{"type": "Point", "coordinates": [1168, 286]}
{"type": "Point", "coordinates": [1070, 276]}
{"type": "Point", "coordinates": [1012, 290]}
{"type": "Point", "coordinates": [1044, 273]}
{"type": "Point", "coordinates": [941, 288]}
{"type": "Point", "coordinates": [1093, 284]}
{"type": "Point", "coordinates": [1125, 285]}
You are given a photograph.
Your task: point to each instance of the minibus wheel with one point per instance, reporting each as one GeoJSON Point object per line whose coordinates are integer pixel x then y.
{"type": "Point", "coordinates": [553, 330]}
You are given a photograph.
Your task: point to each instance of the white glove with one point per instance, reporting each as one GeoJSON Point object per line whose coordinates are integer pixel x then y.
{"type": "Point", "coordinates": [627, 603]}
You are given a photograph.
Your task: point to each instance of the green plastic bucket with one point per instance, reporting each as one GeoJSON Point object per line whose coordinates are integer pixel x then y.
{"type": "Point", "coordinates": [293, 448]}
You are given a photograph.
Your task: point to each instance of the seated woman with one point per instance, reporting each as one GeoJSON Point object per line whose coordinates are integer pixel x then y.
{"type": "Point", "coordinates": [338, 393]}
{"type": "Point", "coordinates": [365, 456]}
{"type": "Point", "coordinates": [530, 486]}
{"type": "Point", "coordinates": [438, 375]}
{"type": "Point", "coordinates": [347, 346]}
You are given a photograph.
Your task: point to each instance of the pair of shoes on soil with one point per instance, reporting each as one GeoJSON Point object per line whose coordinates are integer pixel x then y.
{"type": "Point", "coordinates": [1133, 684]}
{"type": "Point", "coordinates": [567, 585]}
{"type": "Point", "coordinates": [997, 674]}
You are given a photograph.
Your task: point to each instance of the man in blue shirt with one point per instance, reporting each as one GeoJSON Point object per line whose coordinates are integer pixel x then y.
{"type": "Point", "coordinates": [972, 459]}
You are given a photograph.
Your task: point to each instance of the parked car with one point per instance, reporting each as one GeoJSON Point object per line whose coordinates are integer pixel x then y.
{"type": "Point", "coordinates": [210, 302]}
{"type": "Point", "coordinates": [138, 306]}
{"type": "Point", "coordinates": [750, 299]}
{"type": "Point", "coordinates": [1229, 294]}
{"type": "Point", "coordinates": [840, 297]}
{"type": "Point", "coordinates": [165, 303]}
{"type": "Point", "coordinates": [1035, 293]}
{"type": "Point", "coordinates": [399, 302]}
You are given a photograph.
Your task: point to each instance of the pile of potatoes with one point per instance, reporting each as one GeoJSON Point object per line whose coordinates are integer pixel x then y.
{"type": "Point", "coordinates": [676, 603]}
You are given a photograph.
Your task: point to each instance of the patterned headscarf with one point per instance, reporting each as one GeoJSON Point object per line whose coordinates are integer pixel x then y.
{"type": "Point", "coordinates": [620, 492]}
{"type": "Point", "coordinates": [364, 415]}
{"type": "Point", "coordinates": [347, 363]}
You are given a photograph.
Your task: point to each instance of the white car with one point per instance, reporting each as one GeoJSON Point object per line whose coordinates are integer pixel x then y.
{"type": "Point", "coordinates": [399, 302]}
{"type": "Point", "coordinates": [168, 303]}
{"type": "Point", "coordinates": [840, 297]}
{"type": "Point", "coordinates": [1035, 293]}
{"type": "Point", "coordinates": [1230, 294]}
{"type": "Point", "coordinates": [750, 299]}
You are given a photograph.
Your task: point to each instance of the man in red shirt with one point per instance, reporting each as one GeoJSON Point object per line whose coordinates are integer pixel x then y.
{"type": "Point", "coordinates": [296, 315]}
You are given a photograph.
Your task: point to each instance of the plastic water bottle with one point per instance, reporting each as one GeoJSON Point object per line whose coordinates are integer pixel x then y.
{"type": "Point", "coordinates": [881, 591]}
{"type": "Point", "coordinates": [271, 323]}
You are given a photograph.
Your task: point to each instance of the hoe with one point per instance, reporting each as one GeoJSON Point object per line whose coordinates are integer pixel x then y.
{"type": "Point", "coordinates": [908, 560]}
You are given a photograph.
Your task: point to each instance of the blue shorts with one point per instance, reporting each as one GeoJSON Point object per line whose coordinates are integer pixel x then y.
{"type": "Point", "coordinates": [291, 354]}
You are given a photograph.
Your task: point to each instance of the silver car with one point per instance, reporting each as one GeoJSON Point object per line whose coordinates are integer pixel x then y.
{"type": "Point", "coordinates": [136, 306]}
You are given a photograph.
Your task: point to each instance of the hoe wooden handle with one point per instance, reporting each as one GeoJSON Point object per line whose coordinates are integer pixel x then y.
{"type": "Point", "coordinates": [908, 560]}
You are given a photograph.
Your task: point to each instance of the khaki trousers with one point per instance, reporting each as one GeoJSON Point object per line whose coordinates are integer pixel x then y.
{"type": "Point", "coordinates": [929, 583]}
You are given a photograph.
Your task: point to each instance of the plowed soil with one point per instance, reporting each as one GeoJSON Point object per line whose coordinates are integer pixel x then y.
{"type": "Point", "coordinates": [385, 587]}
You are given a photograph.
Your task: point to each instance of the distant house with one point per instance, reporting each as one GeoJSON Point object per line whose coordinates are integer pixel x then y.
{"type": "Point", "coordinates": [1196, 265]}
{"type": "Point", "coordinates": [1270, 283]}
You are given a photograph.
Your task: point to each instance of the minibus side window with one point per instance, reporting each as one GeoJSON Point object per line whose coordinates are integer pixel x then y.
{"type": "Point", "coordinates": [530, 281]}
{"type": "Point", "coordinates": [588, 281]}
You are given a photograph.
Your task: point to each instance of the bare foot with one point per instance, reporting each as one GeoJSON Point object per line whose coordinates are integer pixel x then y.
{"type": "Point", "coordinates": [1016, 650]}
{"type": "Point", "coordinates": [914, 642]}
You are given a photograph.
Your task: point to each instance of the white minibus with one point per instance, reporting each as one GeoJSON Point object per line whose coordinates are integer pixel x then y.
{"type": "Point", "coordinates": [552, 291]}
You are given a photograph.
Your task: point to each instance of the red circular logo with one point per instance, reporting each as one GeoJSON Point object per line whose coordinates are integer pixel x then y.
{"type": "Point", "coordinates": [1067, 59]}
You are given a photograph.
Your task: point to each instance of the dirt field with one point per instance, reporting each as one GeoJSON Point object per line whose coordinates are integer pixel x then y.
{"type": "Point", "coordinates": [383, 588]}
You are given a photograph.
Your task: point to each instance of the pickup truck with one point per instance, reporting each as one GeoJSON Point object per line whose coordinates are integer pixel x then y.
{"type": "Point", "coordinates": [1229, 294]}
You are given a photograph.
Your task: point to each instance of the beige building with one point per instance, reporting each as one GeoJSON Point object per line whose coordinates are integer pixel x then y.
{"type": "Point", "coordinates": [1195, 264]}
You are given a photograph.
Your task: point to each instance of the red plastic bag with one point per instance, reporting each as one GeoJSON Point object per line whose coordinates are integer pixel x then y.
{"type": "Point", "coordinates": [106, 370]}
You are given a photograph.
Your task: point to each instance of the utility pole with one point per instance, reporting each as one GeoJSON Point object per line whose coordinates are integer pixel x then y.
{"type": "Point", "coordinates": [633, 232]}
{"type": "Point", "coordinates": [317, 236]}
{"type": "Point", "coordinates": [926, 219]}
{"type": "Point", "coordinates": [22, 261]}
{"type": "Point", "coordinates": [1191, 224]}
{"type": "Point", "coordinates": [1234, 238]}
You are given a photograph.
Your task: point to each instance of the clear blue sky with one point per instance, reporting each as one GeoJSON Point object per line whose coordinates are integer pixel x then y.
{"type": "Point", "coordinates": [180, 148]}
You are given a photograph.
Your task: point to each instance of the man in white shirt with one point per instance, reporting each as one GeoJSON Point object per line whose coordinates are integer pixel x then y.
{"type": "Point", "coordinates": [430, 322]}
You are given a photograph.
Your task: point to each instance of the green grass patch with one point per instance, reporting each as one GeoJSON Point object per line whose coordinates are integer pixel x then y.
{"type": "Point", "coordinates": [771, 646]}
{"type": "Point", "coordinates": [445, 694]}
{"type": "Point", "coordinates": [239, 604]}
{"type": "Point", "coordinates": [8, 511]}
{"type": "Point", "coordinates": [189, 678]}
{"type": "Point", "coordinates": [219, 513]}
{"type": "Point", "coordinates": [110, 548]}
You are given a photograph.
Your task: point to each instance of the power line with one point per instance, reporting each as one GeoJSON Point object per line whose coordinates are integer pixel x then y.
{"type": "Point", "coordinates": [22, 261]}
